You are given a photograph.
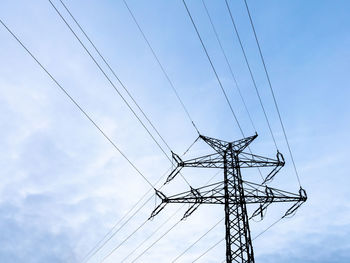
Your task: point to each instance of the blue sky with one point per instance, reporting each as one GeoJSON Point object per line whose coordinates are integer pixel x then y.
{"type": "Point", "coordinates": [63, 186]}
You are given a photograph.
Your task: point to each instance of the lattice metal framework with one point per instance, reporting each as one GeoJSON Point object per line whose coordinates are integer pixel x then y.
{"type": "Point", "coordinates": [233, 192]}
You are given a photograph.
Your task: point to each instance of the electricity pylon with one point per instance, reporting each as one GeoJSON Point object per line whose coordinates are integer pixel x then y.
{"type": "Point", "coordinates": [233, 192]}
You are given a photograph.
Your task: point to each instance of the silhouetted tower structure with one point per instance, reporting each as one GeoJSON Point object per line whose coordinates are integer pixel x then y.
{"type": "Point", "coordinates": [233, 192]}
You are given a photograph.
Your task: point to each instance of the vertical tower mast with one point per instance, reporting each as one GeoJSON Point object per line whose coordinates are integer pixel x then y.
{"type": "Point", "coordinates": [238, 240]}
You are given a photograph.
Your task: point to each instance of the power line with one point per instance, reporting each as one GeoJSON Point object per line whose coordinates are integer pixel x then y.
{"type": "Point", "coordinates": [160, 226]}
{"type": "Point", "coordinates": [148, 248]}
{"type": "Point", "coordinates": [124, 240]}
{"type": "Point", "coordinates": [138, 228]}
{"type": "Point", "coordinates": [268, 228]}
{"type": "Point", "coordinates": [167, 221]}
{"type": "Point", "coordinates": [105, 242]}
{"type": "Point", "coordinates": [156, 241]}
{"type": "Point", "coordinates": [113, 72]}
{"type": "Point", "coordinates": [87, 116]}
{"type": "Point", "coordinates": [115, 88]}
{"type": "Point", "coordinates": [161, 66]}
{"type": "Point", "coordinates": [229, 65]}
{"type": "Point", "coordinates": [272, 92]}
{"type": "Point", "coordinates": [212, 66]}
{"type": "Point", "coordinates": [163, 236]}
{"type": "Point", "coordinates": [217, 76]}
{"type": "Point", "coordinates": [109, 80]}
{"type": "Point", "coordinates": [106, 76]}
{"type": "Point", "coordinates": [210, 248]}
{"type": "Point", "coordinates": [168, 217]}
{"type": "Point", "coordinates": [76, 104]}
{"type": "Point", "coordinates": [152, 137]}
{"type": "Point", "coordinates": [154, 232]}
{"type": "Point", "coordinates": [98, 244]}
{"type": "Point", "coordinates": [128, 237]}
{"type": "Point", "coordinates": [193, 244]}
{"type": "Point", "coordinates": [251, 73]}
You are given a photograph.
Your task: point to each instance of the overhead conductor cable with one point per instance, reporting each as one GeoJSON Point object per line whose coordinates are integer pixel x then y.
{"type": "Point", "coordinates": [161, 66]}
{"type": "Point", "coordinates": [138, 228]}
{"type": "Point", "coordinates": [218, 79]}
{"type": "Point", "coordinates": [272, 92]}
{"type": "Point", "coordinates": [115, 88]}
{"type": "Point", "coordinates": [251, 73]}
{"type": "Point", "coordinates": [229, 66]}
{"type": "Point", "coordinates": [113, 72]}
{"type": "Point", "coordinates": [76, 104]}
{"type": "Point", "coordinates": [212, 66]}
{"type": "Point", "coordinates": [162, 236]}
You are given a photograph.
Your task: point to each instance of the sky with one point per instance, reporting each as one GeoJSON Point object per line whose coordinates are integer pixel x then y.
{"type": "Point", "coordinates": [63, 186]}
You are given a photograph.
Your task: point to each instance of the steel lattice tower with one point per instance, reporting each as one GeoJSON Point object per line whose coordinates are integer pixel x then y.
{"type": "Point", "coordinates": [233, 192]}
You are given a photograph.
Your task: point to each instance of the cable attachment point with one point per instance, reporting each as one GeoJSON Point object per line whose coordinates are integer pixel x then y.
{"type": "Point", "coordinates": [280, 158]}
{"type": "Point", "coordinates": [198, 201]}
{"type": "Point", "coordinates": [302, 199]}
{"type": "Point", "coordinates": [279, 164]}
{"type": "Point", "coordinates": [302, 194]}
{"type": "Point", "coordinates": [263, 207]}
{"type": "Point", "coordinates": [179, 165]}
{"type": "Point", "coordinates": [194, 125]}
{"type": "Point", "coordinates": [161, 206]}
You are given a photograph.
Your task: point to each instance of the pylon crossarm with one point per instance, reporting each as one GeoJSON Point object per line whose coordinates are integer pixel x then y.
{"type": "Point", "coordinates": [208, 161]}
{"type": "Point", "coordinates": [194, 195]}
{"type": "Point", "coordinates": [248, 160]}
{"type": "Point", "coordinates": [206, 193]}
{"type": "Point", "coordinates": [214, 160]}
{"type": "Point", "coordinates": [255, 199]}
{"type": "Point", "coordinates": [214, 194]}
{"type": "Point", "coordinates": [220, 199]}
{"type": "Point", "coordinates": [250, 187]}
